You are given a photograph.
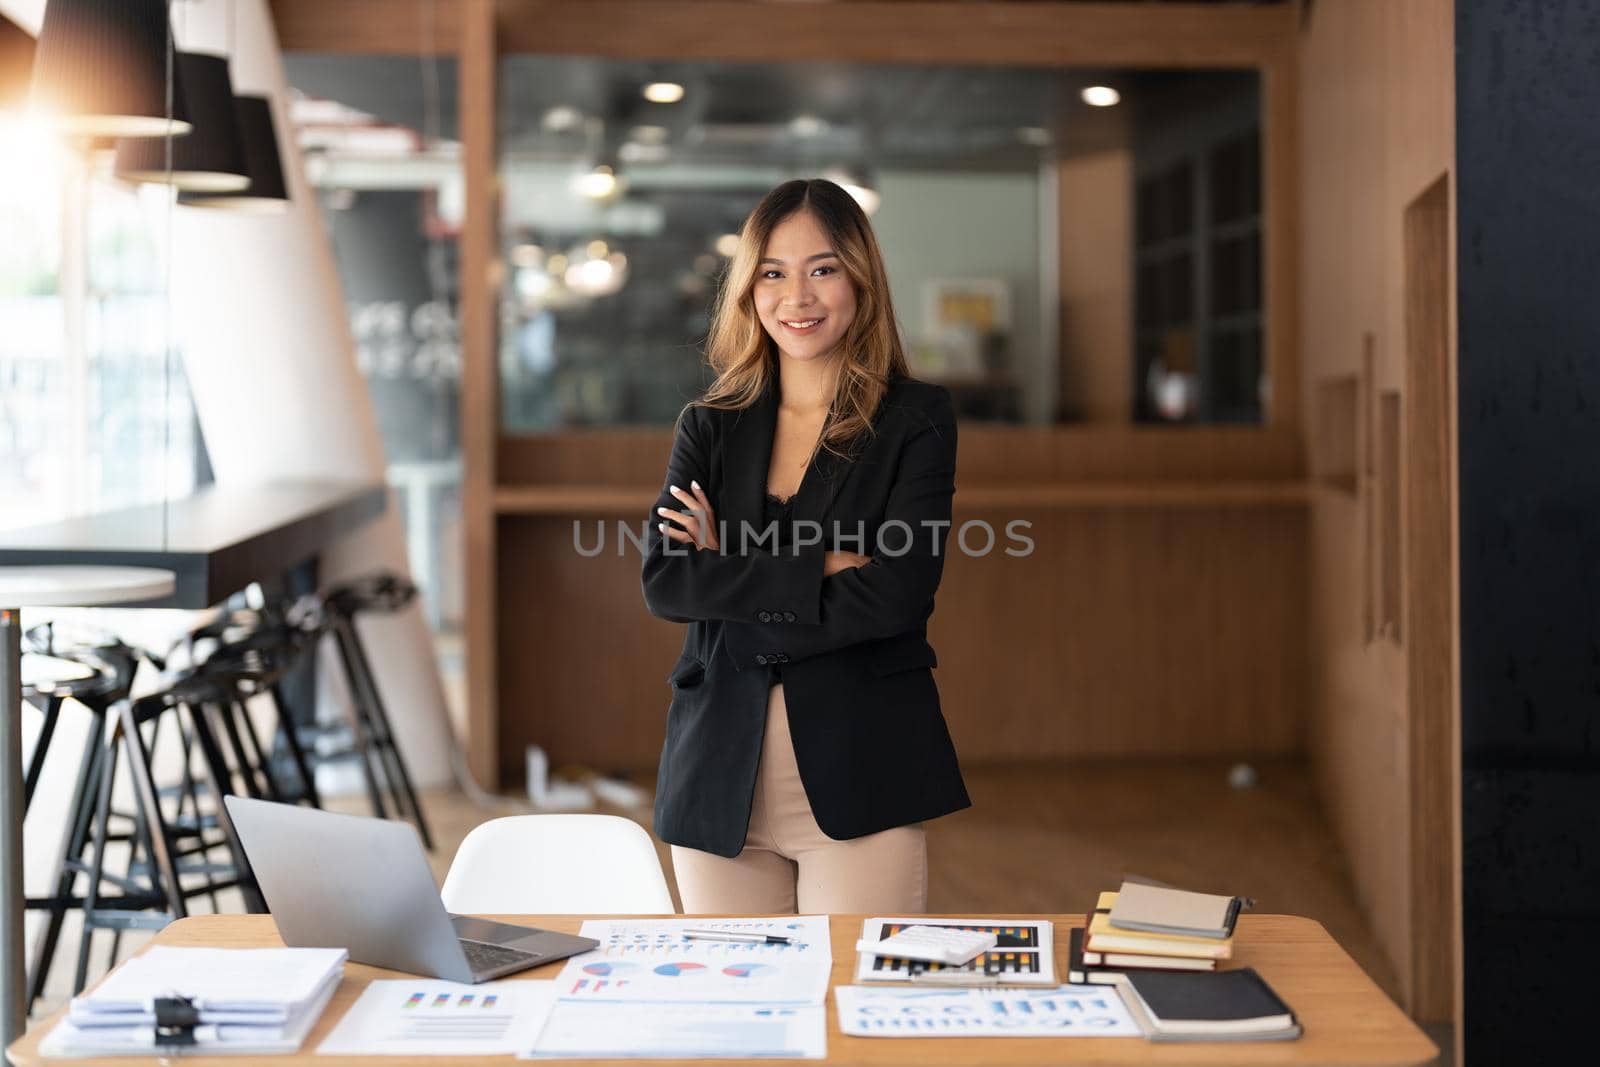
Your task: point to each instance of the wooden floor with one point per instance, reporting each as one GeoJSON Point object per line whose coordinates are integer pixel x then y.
{"type": "Point", "coordinates": [1049, 838]}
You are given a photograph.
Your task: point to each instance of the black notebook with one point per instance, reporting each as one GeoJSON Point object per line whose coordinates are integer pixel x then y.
{"type": "Point", "coordinates": [1224, 1006]}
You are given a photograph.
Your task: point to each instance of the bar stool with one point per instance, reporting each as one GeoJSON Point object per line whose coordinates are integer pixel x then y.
{"type": "Point", "coordinates": [373, 744]}
{"type": "Point", "coordinates": [170, 856]}
{"type": "Point", "coordinates": [45, 586]}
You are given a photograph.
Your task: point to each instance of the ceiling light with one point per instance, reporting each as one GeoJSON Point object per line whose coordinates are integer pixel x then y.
{"type": "Point", "coordinates": [597, 184]}
{"type": "Point", "coordinates": [807, 126]}
{"type": "Point", "coordinates": [663, 92]}
{"type": "Point", "coordinates": [857, 185]}
{"type": "Point", "coordinates": [727, 245]}
{"type": "Point", "coordinates": [211, 157]}
{"type": "Point", "coordinates": [1101, 96]}
{"type": "Point", "coordinates": [1034, 135]}
{"type": "Point", "coordinates": [527, 255]}
{"type": "Point", "coordinates": [561, 118]}
{"type": "Point", "coordinates": [597, 249]}
{"type": "Point", "coordinates": [100, 69]}
{"type": "Point", "coordinates": [267, 192]}
{"type": "Point", "coordinates": [633, 152]}
{"type": "Point", "coordinates": [649, 134]}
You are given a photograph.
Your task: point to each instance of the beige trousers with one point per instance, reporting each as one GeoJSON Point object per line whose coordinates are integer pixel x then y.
{"type": "Point", "coordinates": [789, 864]}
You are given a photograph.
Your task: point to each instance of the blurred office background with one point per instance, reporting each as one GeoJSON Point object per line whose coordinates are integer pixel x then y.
{"type": "Point", "coordinates": [1154, 251]}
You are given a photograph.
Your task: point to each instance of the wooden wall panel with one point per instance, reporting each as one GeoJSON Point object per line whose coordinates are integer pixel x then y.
{"type": "Point", "coordinates": [990, 455]}
{"type": "Point", "coordinates": [1128, 632]}
{"type": "Point", "coordinates": [904, 31]}
{"type": "Point", "coordinates": [376, 27]}
{"type": "Point", "coordinates": [1376, 129]}
{"type": "Point", "coordinates": [479, 388]}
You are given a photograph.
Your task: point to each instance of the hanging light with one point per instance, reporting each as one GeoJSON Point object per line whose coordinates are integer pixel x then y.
{"type": "Point", "coordinates": [597, 184]}
{"type": "Point", "coordinates": [100, 69]}
{"type": "Point", "coordinates": [267, 192]}
{"type": "Point", "coordinates": [210, 158]}
{"type": "Point", "coordinates": [16, 64]}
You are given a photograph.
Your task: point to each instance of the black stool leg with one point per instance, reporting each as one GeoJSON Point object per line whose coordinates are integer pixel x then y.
{"type": "Point", "coordinates": [217, 775]}
{"type": "Point", "coordinates": [102, 832]}
{"type": "Point", "coordinates": [73, 839]}
{"type": "Point", "coordinates": [230, 730]}
{"type": "Point", "coordinates": [360, 730]}
{"type": "Point", "coordinates": [157, 836]}
{"type": "Point", "coordinates": [52, 711]}
{"type": "Point", "coordinates": [238, 710]}
{"type": "Point", "coordinates": [291, 740]}
{"type": "Point", "coordinates": [395, 764]}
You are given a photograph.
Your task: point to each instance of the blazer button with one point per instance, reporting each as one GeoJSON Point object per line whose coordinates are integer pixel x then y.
{"type": "Point", "coordinates": [789, 616]}
{"type": "Point", "coordinates": [761, 659]}
{"type": "Point", "coordinates": [765, 616]}
{"type": "Point", "coordinates": [783, 657]}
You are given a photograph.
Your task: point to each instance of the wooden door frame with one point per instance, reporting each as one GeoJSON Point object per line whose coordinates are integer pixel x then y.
{"type": "Point", "coordinates": [1430, 607]}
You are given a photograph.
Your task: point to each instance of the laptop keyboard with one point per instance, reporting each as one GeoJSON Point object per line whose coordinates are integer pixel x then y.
{"type": "Point", "coordinates": [482, 956]}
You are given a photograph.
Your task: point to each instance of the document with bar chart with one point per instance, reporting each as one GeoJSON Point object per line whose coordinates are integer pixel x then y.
{"type": "Point", "coordinates": [1023, 955]}
{"type": "Point", "coordinates": [1066, 1011]}
{"type": "Point", "coordinates": [425, 1017]}
{"type": "Point", "coordinates": [656, 960]}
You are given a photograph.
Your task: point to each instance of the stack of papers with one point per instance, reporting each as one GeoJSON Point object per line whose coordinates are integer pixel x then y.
{"type": "Point", "coordinates": [650, 991]}
{"type": "Point", "coordinates": [247, 1000]}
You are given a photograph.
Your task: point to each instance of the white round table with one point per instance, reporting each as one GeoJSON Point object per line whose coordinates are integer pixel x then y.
{"type": "Point", "coordinates": [33, 587]}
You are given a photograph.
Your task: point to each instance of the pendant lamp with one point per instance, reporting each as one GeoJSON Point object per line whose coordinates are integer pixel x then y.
{"type": "Point", "coordinates": [100, 69]}
{"type": "Point", "coordinates": [211, 157]}
{"type": "Point", "coordinates": [267, 192]}
{"type": "Point", "coordinates": [16, 64]}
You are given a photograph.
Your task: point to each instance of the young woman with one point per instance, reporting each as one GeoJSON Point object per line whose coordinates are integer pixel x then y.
{"type": "Point", "coordinates": [801, 536]}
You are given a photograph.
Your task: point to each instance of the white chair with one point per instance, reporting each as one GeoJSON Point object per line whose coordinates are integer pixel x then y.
{"type": "Point", "coordinates": [557, 865]}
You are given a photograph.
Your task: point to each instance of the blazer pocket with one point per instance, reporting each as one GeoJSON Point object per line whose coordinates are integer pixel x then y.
{"type": "Point", "coordinates": [687, 672]}
{"type": "Point", "coordinates": [905, 658]}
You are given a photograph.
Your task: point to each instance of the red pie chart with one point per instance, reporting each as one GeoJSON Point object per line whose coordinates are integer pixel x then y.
{"type": "Point", "coordinates": [680, 970]}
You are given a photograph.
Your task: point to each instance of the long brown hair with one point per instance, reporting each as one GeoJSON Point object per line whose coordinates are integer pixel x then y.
{"type": "Point", "coordinates": [745, 357]}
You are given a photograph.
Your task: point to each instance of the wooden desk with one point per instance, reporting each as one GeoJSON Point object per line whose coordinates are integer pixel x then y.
{"type": "Point", "coordinates": [1347, 1019]}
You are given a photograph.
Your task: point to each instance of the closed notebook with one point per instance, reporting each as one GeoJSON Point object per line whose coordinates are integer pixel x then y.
{"type": "Point", "coordinates": [1226, 1006]}
{"type": "Point", "coordinates": [1103, 937]}
{"type": "Point", "coordinates": [1158, 910]}
{"type": "Point", "coordinates": [1106, 968]}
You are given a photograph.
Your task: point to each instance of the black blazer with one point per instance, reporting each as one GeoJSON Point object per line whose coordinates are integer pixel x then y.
{"type": "Point", "coordinates": [852, 650]}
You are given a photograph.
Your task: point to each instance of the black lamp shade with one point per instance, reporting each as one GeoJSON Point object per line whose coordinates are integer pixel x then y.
{"type": "Point", "coordinates": [101, 69]}
{"type": "Point", "coordinates": [210, 158]}
{"type": "Point", "coordinates": [267, 192]}
{"type": "Point", "coordinates": [16, 64]}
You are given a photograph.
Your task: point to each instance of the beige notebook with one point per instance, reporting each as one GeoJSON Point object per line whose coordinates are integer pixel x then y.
{"type": "Point", "coordinates": [1157, 910]}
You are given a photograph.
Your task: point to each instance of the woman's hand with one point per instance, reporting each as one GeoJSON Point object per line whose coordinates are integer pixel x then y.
{"type": "Point", "coordinates": [840, 560]}
{"type": "Point", "coordinates": [697, 524]}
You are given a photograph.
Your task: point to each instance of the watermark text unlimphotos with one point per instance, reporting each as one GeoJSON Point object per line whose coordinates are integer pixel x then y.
{"type": "Point", "coordinates": [896, 538]}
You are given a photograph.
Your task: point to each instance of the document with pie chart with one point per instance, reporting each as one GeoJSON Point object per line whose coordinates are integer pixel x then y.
{"type": "Point", "coordinates": [652, 959]}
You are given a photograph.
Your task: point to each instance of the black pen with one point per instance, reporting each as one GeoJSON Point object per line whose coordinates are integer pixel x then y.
{"type": "Point", "coordinates": [731, 935]}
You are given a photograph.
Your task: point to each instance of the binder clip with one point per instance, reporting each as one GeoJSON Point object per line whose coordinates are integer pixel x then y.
{"type": "Point", "coordinates": [176, 1018]}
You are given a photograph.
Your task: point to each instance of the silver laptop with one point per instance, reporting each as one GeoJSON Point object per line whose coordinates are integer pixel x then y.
{"type": "Point", "coordinates": [363, 884]}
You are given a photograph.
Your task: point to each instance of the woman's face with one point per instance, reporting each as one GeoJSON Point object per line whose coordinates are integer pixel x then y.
{"type": "Point", "coordinates": [803, 296]}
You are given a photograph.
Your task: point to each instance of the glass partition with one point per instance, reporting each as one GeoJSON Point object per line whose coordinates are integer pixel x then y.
{"type": "Point", "coordinates": [1062, 245]}
{"type": "Point", "coordinates": [382, 151]}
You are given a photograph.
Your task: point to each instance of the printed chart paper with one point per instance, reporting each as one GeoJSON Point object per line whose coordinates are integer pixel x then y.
{"type": "Point", "coordinates": [1067, 1011]}
{"type": "Point", "coordinates": [1024, 952]}
{"type": "Point", "coordinates": [629, 1030]}
{"type": "Point", "coordinates": [431, 1018]}
{"type": "Point", "coordinates": [651, 959]}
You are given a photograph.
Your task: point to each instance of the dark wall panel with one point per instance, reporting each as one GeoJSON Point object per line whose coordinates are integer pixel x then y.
{"type": "Point", "coordinates": [1528, 92]}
